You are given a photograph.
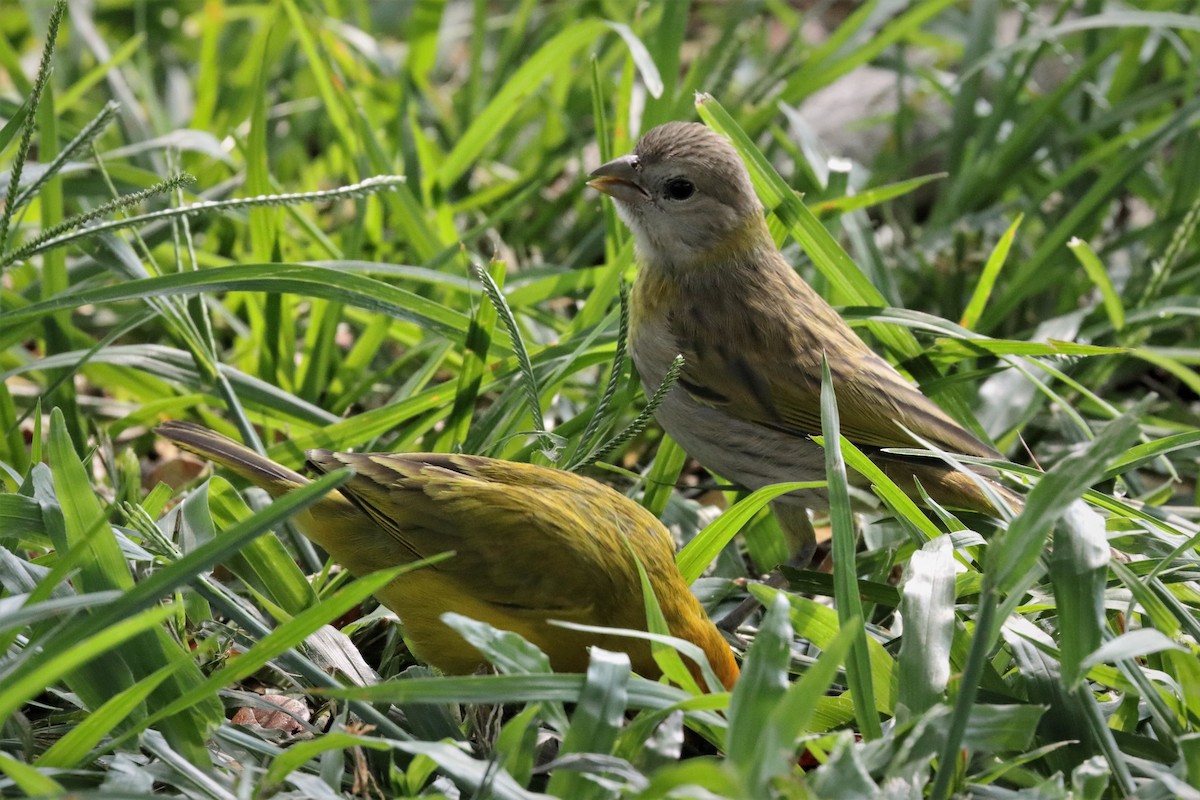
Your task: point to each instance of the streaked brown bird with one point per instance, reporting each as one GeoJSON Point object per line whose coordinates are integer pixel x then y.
{"type": "Point", "coordinates": [713, 287]}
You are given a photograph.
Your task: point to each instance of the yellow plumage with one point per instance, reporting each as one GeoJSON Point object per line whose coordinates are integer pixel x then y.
{"type": "Point", "coordinates": [531, 545]}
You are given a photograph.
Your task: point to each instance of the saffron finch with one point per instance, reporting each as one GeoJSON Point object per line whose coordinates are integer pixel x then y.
{"type": "Point", "coordinates": [531, 545]}
{"type": "Point", "coordinates": [713, 287]}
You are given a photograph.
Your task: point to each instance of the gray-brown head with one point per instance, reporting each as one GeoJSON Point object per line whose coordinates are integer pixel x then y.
{"type": "Point", "coordinates": [685, 194]}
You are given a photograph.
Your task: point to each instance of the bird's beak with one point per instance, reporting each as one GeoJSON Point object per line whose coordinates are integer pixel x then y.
{"type": "Point", "coordinates": [619, 178]}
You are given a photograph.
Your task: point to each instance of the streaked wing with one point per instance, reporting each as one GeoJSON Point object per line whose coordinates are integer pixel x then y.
{"type": "Point", "coordinates": [772, 376]}
{"type": "Point", "coordinates": [528, 539]}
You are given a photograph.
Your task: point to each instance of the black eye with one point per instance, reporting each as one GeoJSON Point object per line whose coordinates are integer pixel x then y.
{"type": "Point", "coordinates": [680, 188]}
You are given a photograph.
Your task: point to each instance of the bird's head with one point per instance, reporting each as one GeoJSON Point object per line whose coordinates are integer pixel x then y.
{"type": "Point", "coordinates": [686, 196]}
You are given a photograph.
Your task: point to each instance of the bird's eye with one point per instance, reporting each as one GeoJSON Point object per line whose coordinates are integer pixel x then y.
{"type": "Point", "coordinates": [680, 188]}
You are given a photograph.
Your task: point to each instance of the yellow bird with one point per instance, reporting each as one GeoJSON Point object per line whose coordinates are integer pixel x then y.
{"type": "Point", "coordinates": [531, 545]}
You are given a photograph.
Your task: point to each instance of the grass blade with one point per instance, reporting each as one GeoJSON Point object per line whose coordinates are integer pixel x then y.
{"type": "Point", "coordinates": [845, 571]}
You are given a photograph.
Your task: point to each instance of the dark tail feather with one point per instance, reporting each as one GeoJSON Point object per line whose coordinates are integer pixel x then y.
{"type": "Point", "coordinates": [258, 469]}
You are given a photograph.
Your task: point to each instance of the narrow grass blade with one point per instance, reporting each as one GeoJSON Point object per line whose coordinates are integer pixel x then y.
{"type": "Point", "coordinates": [16, 613]}
{"type": "Point", "coordinates": [470, 376]}
{"type": "Point", "coordinates": [874, 196]}
{"type": "Point", "coordinates": [845, 571]}
{"type": "Point", "coordinates": [1132, 645]}
{"type": "Point", "coordinates": [906, 509]}
{"type": "Point", "coordinates": [1149, 451]}
{"type": "Point", "coordinates": [763, 684]}
{"type": "Point", "coordinates": [301, 753]}
{"type": "Point", "coordinates": [104, 567]}
{"type": "Point", "coordinates": [663, 474]}
{"type": "Point", "coordinates": [666, 657]}
{"type": "Point", "coordinates": [559, 687]}
{"type": "Point", "coordinates": [263, 562]}
{"type": "Point", "coordinates": [697, 554]}
{"type": "Point", "coordinates": [55, 243]}
{"type": "Point", "coordinates": [29, 779]}
{"type": "Point", "coordinates": [354, 290]}
{"type": "Point", "coordinates": [1099, 276]}
{"type": "Point", "coordinates": [987, 278]}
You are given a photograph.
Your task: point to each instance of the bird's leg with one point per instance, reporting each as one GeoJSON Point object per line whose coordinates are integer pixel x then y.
{"type": "Point", "coordinates": [484, 721]}
{"type": "Point", "coordinates": [802, 542]}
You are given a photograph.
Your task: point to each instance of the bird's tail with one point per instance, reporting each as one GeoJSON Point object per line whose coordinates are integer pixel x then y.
{"type": "Point", "coordinates": [950, 487]}
{"type": "Point", "coordinates": [258, 469]}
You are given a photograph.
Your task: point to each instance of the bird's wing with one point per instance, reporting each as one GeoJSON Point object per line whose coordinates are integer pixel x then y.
{"type": "Point", "coordinates": [772, 376]}
{"type": "Point", "coordinates": [531, 540]}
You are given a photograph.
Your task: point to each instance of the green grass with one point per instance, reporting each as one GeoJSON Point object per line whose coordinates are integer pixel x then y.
{"type": "Point", "coordinates": [365, 226]}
